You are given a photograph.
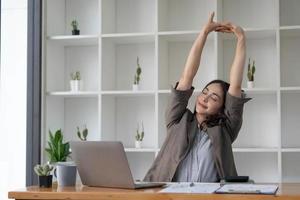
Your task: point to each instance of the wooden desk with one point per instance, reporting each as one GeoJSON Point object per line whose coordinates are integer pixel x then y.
{"type": "Point", "coordinates": [286, 191]}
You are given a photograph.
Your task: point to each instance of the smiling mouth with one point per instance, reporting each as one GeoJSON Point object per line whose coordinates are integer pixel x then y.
{"type": "Point", "coordinates": [203, 105]}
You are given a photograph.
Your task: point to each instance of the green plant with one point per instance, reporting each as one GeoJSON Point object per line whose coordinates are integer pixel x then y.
{"type": "Point", "coordinates": [251, 70]}
{"type": "Point", "coordinates": [43, 170]}
{"type": "Point", "coordinates": [75, 76]}
{"type": "Point", "coordinates": [139, 136]}
{"type": "Point", "coordinates": [74, 24]}
{"type": "Point", "coordinates": [58, 151]}
{"type": "Point", "coordinates": [138, 72]}
{"type": "Point", "coordinates": [84, 134]}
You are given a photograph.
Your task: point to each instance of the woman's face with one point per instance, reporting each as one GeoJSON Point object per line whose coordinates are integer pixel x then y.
{"type": "Point", "coordinates": [210, 100]}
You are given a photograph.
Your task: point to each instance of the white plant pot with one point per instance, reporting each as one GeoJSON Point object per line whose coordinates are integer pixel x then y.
{"type": "Point", "coordinates": [135, 87]}
{"type": "Point", "coordinates": [75, 85]}
{"type": "Point", "coordinates": [250, 84]}
{"type": "Point", "coordinates": [138, 144]}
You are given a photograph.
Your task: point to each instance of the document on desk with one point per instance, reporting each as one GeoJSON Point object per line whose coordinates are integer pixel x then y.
{"type": "Point", "coordinates": [248, 189]}
{"type": "Point", "coordinates": [188, 187]}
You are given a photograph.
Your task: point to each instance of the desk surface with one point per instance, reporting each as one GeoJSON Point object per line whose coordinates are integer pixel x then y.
{"type": "Point", "coordinates": [286, 191]}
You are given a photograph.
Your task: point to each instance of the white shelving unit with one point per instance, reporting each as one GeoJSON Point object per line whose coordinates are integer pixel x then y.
{"type": "Point", "coordinates": [161, 33]}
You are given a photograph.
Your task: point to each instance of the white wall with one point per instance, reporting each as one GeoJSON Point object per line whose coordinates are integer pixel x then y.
{"type": "Point", "coordinates": [13, 86]}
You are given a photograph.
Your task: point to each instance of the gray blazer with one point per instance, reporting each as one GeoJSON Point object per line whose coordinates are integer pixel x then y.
{"type": "Point", "coordinates": [181, 126]}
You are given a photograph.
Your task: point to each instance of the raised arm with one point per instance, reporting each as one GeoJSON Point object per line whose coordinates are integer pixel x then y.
{"type": "Point", "coordinates": [237, 68]}
{"type": "Point", "coordinates": [193, 59]}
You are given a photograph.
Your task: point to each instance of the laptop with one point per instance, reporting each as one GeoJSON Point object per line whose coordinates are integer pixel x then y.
{"type": "Point", "coordinates": [105, 164]}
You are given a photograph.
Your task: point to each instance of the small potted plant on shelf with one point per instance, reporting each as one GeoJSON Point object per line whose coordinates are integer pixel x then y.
{"type": "Point", "coordinates": [137, 75]}
{"type": "Point", "coordinates": [82, 136]}
{"type": "Point", "coordinates": [75, 30]}
{"type": "Point", "coordinates": [45, 178]}
{"type": "Point", "coordinates": [139, 136]}
{"type": "Point", "coordinates": [75, 82]}
{"type": "Point", "coordinates": [250, 74]}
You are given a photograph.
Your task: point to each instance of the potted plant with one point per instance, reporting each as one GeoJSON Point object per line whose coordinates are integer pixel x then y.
{"type": "Point", "coordinates": [58, 151]}
{"type": "Point", "coordinates": [139, 136]}
{"type": "Point", "coordinates": [45, 178]}
{"type": "Point", "coordinates": [250, 74]}
{"type": "Point", "coordinates": [82, 136]}
{"type": "Point", "coordinates": [75, 30]}
{"type": "Point", "coordinates": [75, 82]}
{"type": "Point", "coordinates": [137, 75]}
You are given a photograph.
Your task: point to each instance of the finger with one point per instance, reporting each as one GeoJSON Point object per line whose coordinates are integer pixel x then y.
{"type": "Point", "coordinates": [211, 18]}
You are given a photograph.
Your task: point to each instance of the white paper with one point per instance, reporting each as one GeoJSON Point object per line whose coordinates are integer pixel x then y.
{"type": "Point", "coordinates": [185, 187]}
{"type": "Point", "coordinates": [248, 188]}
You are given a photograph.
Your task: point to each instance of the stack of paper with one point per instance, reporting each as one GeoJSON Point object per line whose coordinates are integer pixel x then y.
{"type": "Point", "coordinates": [187, 187]}
{"type": "Point", "coordinates": [248, 188]}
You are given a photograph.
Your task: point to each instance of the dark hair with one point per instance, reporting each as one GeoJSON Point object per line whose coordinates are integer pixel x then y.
{"type": "Point", "coordinates": [219, 117]}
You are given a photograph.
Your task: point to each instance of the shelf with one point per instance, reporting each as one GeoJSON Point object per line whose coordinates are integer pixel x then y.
{"type": "Point", "coordinates": [60, 13]}
{"type": "Point", "coordinates": [61, 62]}
{"type": "Point", "coordinates": [290, 167]}
{"type": "Point", "coordinates": [261, 47]}
{"type": "Point", "coordinates": [252, 33]}
{"type": "Point", "coordinates": [172, 53]}
{"type": "Point", "coordinates": [122, 114]}
{"type": "Point", "coordinates": [290, 89]}
{"type": "Point", "coordinates": [259, 166]}
{"type": "Point", "coordinates": [176, 15]}
{"type": "Point", "coordinates": [119, 63]}
{"type": "Point", "coordinates": [290, 120]}
{"type": "Point", "coordinates": [72, 40]}
{"type": "Point", "coordinates": [128, 38]}
{"type": "Point", "coordinates": [290, 150]}
{"type": "Point", "coordinates": [67, 114]}
{"type": "Point", "coordinates": [73, 94]}
{"type": "Point", "coordinates": [260, 118]}
{"type": "Point", "coordinates": [289, 58]}
{"type": "Point", "coordinates": [260, 14]}
{"type": "Point", "coordinates": [128, 93]}
{"type": "Point", "coordinates": [249, 150]}
{"type": "Point", "coordinates": [289, 27]}
{"type": "Point", "coordinates": [140, 163]}
{"type": "Point", "coordinates": [289, 12]}
{"type": "Point", "coordinates": [128, 16]}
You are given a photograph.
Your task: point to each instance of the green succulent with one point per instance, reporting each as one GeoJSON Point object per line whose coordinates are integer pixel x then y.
{"type": "Point", "coordinates": [251, 70]}
{"type": "Point", "coordinates": [76, 76]}
{"type": "Point", "coordinates": [84, 134]}
{"type": "Point", "coordinates": [138, 72]}
{"type": "Point", "coordinates": [74, 24]}
{"type": "Point", "coordinates": [139, 136]}
{"type": "Point", "coordinates": [43, 170]}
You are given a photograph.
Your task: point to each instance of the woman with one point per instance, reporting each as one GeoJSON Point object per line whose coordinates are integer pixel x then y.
{"type": "Point", "coordinates": [198, 145]}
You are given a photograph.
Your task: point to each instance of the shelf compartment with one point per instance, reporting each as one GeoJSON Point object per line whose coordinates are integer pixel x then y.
{"type": "Point", "coordinates": [120, 62]}
{"type": "Point", "coordinates": [290, 119]}
{"type": "Point", "coordinates": [289, 57]}
{"type": "Point", "coordinates": [176, 15]}
{"type": "Point", "coordinates": [120, 116]}
{"type": "Point", "coordinates": [290, 167]}
{"type": "Point", "coordinates": [62, 61]}
{"type": "Point", "coordinates": [259, 128]}
{"type": "Point", "coordinates": [60, 13]}
{"type": "Point", "coordinates": [289, 12]}
{"type": "Point", "coordinates": [265, 11]}
{"type": "Point", "coordinates": [128, 16]}
{"type": "Point", "coordinates": [68, 113]}
{"type": "Point", "coordinates": [140, 163]}
{"type": "Point", "coordinates": [266, 166]}
{"type": "Point", "coordinates": [173, 51]}
{"type": "Point", "coordinates": [261, 47]}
